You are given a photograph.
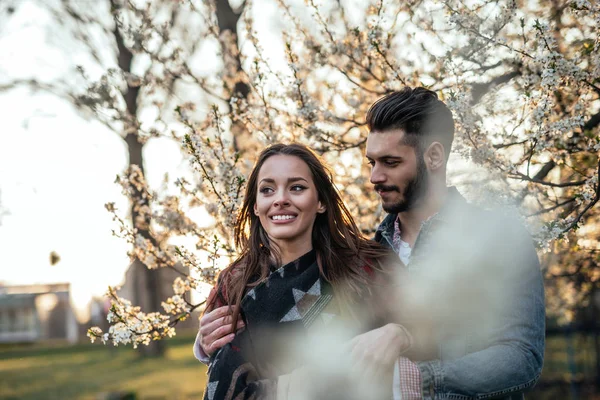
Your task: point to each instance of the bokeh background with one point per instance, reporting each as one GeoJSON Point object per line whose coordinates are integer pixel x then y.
{"type": "Point", "coordinates": [128, 128]}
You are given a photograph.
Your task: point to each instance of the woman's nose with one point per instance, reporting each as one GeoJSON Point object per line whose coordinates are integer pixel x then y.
{"type": "Point", "coordinates": [282, 199]}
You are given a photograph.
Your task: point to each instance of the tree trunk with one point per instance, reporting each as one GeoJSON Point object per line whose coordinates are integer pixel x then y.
{"type": "Point", "coordinates": [227, 19]}
{"type": "Point", "coordinates": [596, 312]}
{"type": "Point", "coordinates": [147, 293]}
{"type": "Point", "coordinates": [147, 288]}
{"type": "Point", "coordinates": [597, 343]}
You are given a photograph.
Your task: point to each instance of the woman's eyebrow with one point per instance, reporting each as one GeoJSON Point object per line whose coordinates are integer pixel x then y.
{"type": "Point", "coordinates": [296, 178]}
{"type": "Point", "coordinates": [292, 179]}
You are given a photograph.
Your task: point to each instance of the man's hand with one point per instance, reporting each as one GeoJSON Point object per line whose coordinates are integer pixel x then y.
{"type": "Point", "coordinates": [216, 329]}
{"type": "Point", "coordinates": [373, 357]}
{"type": "Point", "coordinates": [380, 348]}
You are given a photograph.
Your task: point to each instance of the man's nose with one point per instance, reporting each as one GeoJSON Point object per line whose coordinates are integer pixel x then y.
{"type": "Point", "coordinates": [377, 176]}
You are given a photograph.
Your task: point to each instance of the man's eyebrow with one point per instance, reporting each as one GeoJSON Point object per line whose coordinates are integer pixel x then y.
{"type": "Point", "coordinates": [385, 157]}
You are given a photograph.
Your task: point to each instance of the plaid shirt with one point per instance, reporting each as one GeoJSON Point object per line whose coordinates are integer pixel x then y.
{"type": "Point", "coordinates": [407, 380]}
{"type": "Point", "coordinates": [407, 377]}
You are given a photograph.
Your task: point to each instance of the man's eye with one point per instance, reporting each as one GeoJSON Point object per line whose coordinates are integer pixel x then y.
{"type": "Point", "coordinates": [392, 163]}
{"type": "Point", "coordinates": [371, 162]}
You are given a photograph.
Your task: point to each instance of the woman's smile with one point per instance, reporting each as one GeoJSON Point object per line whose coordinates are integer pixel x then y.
{"type": "Point", "coordinates": [283, 218]}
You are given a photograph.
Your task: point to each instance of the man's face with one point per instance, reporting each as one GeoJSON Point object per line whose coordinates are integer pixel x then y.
{"type": "Point", "coordinates": [398, 171]}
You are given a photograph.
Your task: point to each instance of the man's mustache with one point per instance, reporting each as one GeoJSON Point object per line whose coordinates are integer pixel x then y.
{"type": "Point", "coordinates": [383, 188]}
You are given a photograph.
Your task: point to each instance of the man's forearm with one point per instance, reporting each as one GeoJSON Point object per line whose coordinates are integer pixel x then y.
{"type": "Point", "coordinates": [498, 370]}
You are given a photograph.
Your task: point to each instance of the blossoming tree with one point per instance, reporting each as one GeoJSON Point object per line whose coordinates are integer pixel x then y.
{"type": "Point", "coordinates": [521, 77]}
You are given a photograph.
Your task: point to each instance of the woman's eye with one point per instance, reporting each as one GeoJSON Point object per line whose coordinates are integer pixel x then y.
{"type": "Point", "coordinates": [265, 190]}
{"type": "Point", "coordinates": [298, 188]}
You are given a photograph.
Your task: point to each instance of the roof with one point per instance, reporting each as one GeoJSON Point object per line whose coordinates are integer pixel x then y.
{"type": "Point", "coordinates": [35, 289]}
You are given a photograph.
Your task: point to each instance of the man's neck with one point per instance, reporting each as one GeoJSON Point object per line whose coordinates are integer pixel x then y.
{"type": "Point", "coordinates": [411, 220]}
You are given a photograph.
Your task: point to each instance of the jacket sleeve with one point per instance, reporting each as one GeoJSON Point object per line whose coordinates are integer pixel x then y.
{"type": "Point", "coordinates": [511, 360]}
{"type": "Point", "coordinates": [199, 351]}
{"type": "Point", "coordinates": [214, 300]}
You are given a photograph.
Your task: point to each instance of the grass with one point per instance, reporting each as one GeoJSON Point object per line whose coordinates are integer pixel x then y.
{"type": "Point", "coordinates": [91, 371]}
{"type": "Point", "coordinates": [569, 369]}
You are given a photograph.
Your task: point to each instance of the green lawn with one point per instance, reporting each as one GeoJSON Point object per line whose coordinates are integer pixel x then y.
{"type": "Point", "coordinates": [558, 365]}
{"type": "Point", "coordinates": [90, 371]}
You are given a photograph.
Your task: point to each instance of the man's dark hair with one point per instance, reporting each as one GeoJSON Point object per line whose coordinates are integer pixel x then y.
{"type": "Point", "coordinates": [418, 112]}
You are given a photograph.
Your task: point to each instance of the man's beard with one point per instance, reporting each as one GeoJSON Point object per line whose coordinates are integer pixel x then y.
{"type": "Point", "coordinates": [413, 192]}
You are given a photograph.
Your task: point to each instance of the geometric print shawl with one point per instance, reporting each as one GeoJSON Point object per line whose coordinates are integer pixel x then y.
{"type": "Point", "coordinates": [276, 311]}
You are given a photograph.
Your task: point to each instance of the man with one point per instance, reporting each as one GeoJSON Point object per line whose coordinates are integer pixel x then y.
{"type": "Point", "coordinates": [475, 300]}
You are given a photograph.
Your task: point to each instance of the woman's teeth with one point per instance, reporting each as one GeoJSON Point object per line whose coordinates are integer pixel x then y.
{"type": "Point", "coordinates": [282, 217]}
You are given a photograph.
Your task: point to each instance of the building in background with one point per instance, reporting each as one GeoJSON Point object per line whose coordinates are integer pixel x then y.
{"type": "Point", "coordinates": [31, 313]}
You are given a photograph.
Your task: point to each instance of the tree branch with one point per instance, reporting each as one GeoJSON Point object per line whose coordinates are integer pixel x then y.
{"type": "Point", "coordinates": [227, 18]}
{"type": "Point", "coordinates": [591, 204]}
{"type": "Point", "coordinates": [478, 90]}
{"type": "Point", "coordinates": [549, 209]}
{"type": "Point", "coordinates": [524, 177]}
{"type": "Point", "coordinates": [124, 59]}
{"type": "Point", "coordinates": [593, 122]}
{"type": "Point", "coordinates": [542, 173]}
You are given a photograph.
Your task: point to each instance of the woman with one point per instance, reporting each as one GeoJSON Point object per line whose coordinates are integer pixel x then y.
{"type": "Point", "coordinates": [303, 262]}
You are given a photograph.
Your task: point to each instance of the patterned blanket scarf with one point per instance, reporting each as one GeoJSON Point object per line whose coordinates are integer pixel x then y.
{"type": "Point", "coordinates": [289, 302]}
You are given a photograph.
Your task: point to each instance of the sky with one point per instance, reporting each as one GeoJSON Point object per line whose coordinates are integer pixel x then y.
{"type": "Point", "coordinates": [58, 167]}
{"type": "Point", "coordinates": [56, 173]}
{"type": "Point", "coordinates": [57, 170]}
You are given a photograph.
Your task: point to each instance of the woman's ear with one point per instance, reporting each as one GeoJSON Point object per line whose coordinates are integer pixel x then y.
{"type": "Point", "coordinates": [321, 209]}
{"type": "Point", "coordinates": [255, 209]}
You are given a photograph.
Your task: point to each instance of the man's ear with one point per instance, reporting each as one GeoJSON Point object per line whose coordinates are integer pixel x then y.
{"type": "Point", "coordinates": [321, 209]}
{"type": "Point", "coordinates": [435, 156]}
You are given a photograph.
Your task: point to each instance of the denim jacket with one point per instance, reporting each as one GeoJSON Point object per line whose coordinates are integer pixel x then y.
{"type": "Point", "coordinates": [476, 299]}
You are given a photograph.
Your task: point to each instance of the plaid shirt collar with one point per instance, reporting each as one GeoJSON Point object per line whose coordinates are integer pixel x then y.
{"type": "Point", "coordinates": [390, 231]}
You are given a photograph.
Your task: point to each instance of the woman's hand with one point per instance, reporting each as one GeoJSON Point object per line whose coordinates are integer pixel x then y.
{"type": "Point", "coordinates": [216, 329]}
{"type": "Point", "coordinates": [374, 355]}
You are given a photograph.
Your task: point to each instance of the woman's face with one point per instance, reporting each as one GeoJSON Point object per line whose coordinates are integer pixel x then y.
{"type": "Point", "coordinates": [287, 201]}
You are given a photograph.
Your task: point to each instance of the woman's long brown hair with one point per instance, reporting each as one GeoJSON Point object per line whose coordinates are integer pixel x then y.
{"type": "Point", "coordinates": [342, 251]}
